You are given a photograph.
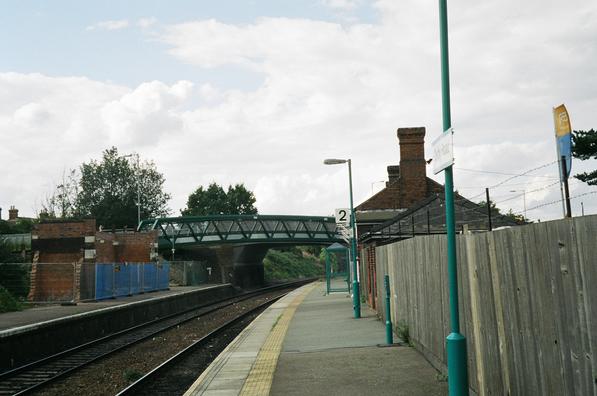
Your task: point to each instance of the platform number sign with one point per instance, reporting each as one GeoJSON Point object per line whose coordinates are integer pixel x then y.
{"type": "Point", "coordinates": [342, 216]}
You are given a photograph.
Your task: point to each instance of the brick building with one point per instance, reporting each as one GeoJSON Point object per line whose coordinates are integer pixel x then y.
{"type": "Point", "coordinates": [407, 183]}
{"type": "Point", "coordinates": [65, 254]}
{"type": "Point", "coordinates": [410, 204]}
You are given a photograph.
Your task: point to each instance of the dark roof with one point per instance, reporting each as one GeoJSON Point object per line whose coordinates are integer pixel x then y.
{"type": "Point", "coordinates": [428, 217]}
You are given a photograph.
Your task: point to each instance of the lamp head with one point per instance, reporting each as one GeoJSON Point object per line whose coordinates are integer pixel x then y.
{"type": "Point", "coordinates": [334, 161]}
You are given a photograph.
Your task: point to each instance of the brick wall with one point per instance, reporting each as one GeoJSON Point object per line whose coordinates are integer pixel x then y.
{"type": "Point", "coordinates": [59, 270]}
{"type": "Point", "coordinates": [125, 247]}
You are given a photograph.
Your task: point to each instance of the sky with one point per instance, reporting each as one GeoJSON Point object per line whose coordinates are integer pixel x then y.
{"type": "Point", "coordinates": [260, 92]}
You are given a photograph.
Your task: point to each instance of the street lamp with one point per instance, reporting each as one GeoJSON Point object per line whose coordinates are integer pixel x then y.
{"type": "Point", "coordinates": [138, 187]}
{"type": "Point", "coordinates": [356, 298]}
{"type": "Point", "coordinates": [524, 201]}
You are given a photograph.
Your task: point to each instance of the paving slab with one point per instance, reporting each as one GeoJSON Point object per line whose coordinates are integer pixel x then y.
{"type": "Point", "coordinates": [327, 351]}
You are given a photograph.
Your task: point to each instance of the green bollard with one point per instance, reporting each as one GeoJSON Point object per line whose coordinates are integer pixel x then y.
{"type": "Point", "coordinates": [389, 333]}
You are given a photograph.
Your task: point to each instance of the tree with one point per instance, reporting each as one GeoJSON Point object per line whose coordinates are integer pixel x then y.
{"type": "Point", "coordinates": [61, 202]}
{"type": "Point", "coordinates": [584, 147]}
{"type": "Point", "coordinates": [214, 200]}
{"type": "Point", "coordinates": [108, 190]}
{"type": "Point", "coordinates": [495, 212]}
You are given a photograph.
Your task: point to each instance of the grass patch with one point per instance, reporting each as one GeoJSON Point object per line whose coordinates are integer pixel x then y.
{"type": "Point", "coordinates": [131, 375]}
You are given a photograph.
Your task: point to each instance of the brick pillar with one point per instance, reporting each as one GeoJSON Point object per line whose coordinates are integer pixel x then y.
{"type": "Point", "coordinates": [413, 182]}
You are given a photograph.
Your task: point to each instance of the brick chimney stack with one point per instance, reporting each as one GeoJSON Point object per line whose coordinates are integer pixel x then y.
{"type": "Point", "coordinates": [413, 178]}
{"type": "Point", "coordinates": [393, 174]}
{"type": "Point", "coordinates": [13, 213]}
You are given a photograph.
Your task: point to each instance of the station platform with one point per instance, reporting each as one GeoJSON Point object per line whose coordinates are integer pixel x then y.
{"type": "Point", "coordinates": [11, 322]}
{"type": "Point", "coordinates": [309, 343]}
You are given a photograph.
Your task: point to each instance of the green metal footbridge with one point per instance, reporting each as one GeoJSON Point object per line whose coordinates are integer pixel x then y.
{"type": "Point", "coordinates": [175, 232]}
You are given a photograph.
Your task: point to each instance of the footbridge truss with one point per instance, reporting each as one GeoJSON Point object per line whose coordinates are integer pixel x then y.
{"type": "Point", "coordinates": [242, 229]}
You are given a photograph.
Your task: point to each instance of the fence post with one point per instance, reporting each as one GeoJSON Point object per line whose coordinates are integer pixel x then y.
{"type": "Point", "coordinates": [389, 334]}
{"type": "Point", "coordinates": [113, 280]}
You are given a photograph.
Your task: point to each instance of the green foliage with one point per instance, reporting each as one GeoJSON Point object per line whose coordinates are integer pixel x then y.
{"type": "Point", "coordinates": [403, 332]}
{"type": "Point", "coordinates": [584, 147]}
{"type": "Point", "coordinates": [214, 200]}
{"type": "Point", "coordinates": [131, 375]}
{"type": "Point", "coordinates": [14, 276]}
{"type": "Point", "coordinates": [107, 191]}
{"type": "Point", "coordinates": [495, 212]}
{"type": "Point", "coordinates": [21, 226]}
{"type": "Point", "coordinates": [291, 263]}
{"type": "Point", "coordinates": [7, 302]}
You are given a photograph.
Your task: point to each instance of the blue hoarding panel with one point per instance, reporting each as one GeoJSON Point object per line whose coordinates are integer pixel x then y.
{"type": "Point", "coordinates": [125, 279]}
{"type": "Point", "coordinates": [104, 281]}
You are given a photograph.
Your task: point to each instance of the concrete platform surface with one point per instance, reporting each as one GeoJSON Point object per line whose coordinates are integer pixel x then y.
{"type": "Point", "coordinates": [328, 352]}
{"type": "Point", "coordinates": [11, 321]}
{"type": "Point", "coordinates": [309, 343]}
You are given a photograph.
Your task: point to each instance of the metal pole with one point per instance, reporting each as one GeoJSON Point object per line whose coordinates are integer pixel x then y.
{"type": "Point", "coordinates": [455, 342]}
{"type": "Point", "coordinates": [389, 334]}
{"type": "Point", "coordinates": [566, 191]}
{"type": "Point", "coordinates": [488, 208]}
{"type": "Point", "coordinates": [327, 271]}
{"type": "Point", "coordinates": [138, 192]}
{"type": "Point", "coordinates": [524, 202]}
{"type": "Point", "coordinates": [582, 209]}
{"type": "Point", "coordinates": [356, 298]}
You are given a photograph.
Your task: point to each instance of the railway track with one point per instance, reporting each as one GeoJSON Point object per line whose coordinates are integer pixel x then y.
{"type": "Point", "coordinates": [34, 376]}
{"type": "Point", "coordinates": [177, 374]}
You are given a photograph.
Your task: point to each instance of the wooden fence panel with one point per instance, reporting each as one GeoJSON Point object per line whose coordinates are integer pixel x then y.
{"type": "Point", "coordinates": [527, 301]}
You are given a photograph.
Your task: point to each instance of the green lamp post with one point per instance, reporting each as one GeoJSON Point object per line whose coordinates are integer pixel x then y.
{"type": "Point", "coordinates": [356, 298]}
{"type": "Point", "coordinates": [455, 342]}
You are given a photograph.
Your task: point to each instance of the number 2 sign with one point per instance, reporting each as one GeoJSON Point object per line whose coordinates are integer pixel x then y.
{"type": "Point", "coordinates": [342, 216]}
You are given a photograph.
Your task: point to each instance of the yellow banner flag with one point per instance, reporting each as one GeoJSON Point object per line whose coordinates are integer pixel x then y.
{"type": "Point", "coordinates": [561, 121]}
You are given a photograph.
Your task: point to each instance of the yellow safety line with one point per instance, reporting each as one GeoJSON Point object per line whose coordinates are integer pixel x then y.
{"type": "Point", "coordinates": [260, 378]}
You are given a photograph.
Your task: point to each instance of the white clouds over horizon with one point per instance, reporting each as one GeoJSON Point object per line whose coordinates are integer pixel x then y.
{"type": "Point", "coordinates": [327, 90]}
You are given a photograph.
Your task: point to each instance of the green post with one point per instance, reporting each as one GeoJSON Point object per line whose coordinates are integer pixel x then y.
{"type": "Point", "coordinates": [389, 334]}
{"type": "Point", "coordinates": [455, 342]}
{"type": "Point", "coordinates": [356, 298]}
{"type": "Point", "coordinates": [327, 271]}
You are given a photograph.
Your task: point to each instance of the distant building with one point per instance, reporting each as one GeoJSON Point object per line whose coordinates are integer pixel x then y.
{"type": "Point", "coordinates": [411, 204]}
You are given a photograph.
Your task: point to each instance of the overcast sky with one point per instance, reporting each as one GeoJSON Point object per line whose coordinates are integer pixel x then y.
{"type": "Point", "coordinates": [260, 92]}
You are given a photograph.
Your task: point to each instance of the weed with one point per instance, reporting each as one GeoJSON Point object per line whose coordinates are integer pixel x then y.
{"type": "Point", "coordinates": [440, 377]}
{"type": "Point", "coordinates": [132, 375]}
{"type": "Point", "coordinates": [403, 332]}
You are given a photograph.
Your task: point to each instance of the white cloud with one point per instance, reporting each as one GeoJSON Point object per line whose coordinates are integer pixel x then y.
{"type": "Point", "coordinates": [146, 22]}
{"type": "Point", "coordinates": [109, 25]}
{"type": "Point", "coordinates": [345, 5]}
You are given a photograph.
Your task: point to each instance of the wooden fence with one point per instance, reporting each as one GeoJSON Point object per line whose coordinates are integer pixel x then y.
{"type": "Point", "coordinates": [528, 304]}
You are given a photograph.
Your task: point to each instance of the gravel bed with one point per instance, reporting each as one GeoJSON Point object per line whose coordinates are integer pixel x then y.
{"type": "Point", "coordinates": [115, 372]}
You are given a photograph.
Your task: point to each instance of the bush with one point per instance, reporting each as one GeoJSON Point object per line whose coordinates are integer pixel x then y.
{"type": "Point", "coordinates": [290, 264]}
{"type": "Point", "coordinates": [7, 302]}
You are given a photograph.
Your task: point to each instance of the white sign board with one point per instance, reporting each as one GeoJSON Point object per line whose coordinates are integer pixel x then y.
{"type": "Point", "coordinates": [443, 151]}
{"type": "Point", "coordinates": [342, 216]}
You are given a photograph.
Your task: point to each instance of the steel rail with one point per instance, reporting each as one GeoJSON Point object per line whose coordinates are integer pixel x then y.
{"type": "Point", "coordinates": [152, 382]}
{"type": "Point", "coordinates": [35, 375]}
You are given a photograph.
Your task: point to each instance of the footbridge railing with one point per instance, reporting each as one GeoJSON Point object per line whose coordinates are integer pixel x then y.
{"type": "Point", "coordinates": [242, 229]}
